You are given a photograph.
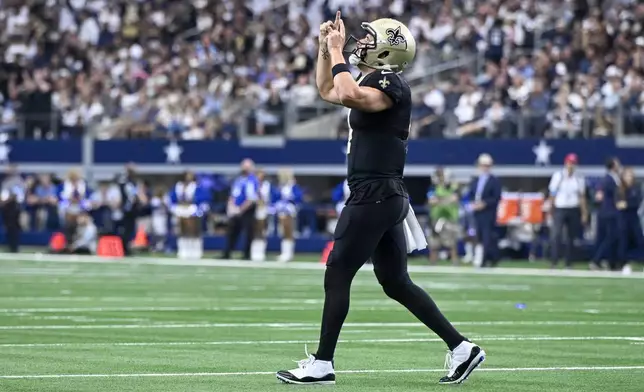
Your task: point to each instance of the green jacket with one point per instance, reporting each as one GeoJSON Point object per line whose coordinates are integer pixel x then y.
{"type": "Point", "coordinates": [446, 207]}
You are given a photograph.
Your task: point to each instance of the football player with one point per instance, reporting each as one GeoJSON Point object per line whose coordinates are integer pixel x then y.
{"type": "Point", "coordinates": [377, 221]}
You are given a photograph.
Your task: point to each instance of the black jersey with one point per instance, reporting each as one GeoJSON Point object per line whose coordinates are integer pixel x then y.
{"type": "Point", "coordinates": [377, 145]}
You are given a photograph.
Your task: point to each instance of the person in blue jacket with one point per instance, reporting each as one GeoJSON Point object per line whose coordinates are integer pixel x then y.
{"type": "Point", "coordinates": [609, 195]}
{"type": "Point", "coordinates": [631, 236]}
{"type": "Point", "coordinates": [189, 204]}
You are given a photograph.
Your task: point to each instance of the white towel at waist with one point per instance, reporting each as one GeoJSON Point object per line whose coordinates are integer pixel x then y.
{"type": "Point", "coordinates": [414, 234]}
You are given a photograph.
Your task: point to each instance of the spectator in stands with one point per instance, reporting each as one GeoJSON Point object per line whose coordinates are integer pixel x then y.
{"type": "Point", "coordinates": [116, 64]}
{"type": "Point", "coordinates": [468, 110]}
{"type": "Point", "coordinates": [304, 95]}
{"type": "Point", "coordinates": [536, 110]}
{"type": "Point", "coordinates": [427, 115]}
{"type": "Point", "coordinates": [634, 105]}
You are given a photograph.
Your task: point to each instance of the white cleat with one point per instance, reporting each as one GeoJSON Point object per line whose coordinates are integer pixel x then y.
{"type": "Point", "coordinates": [461, 362]}
{"type": "Point", "coordinates": [309, 371]}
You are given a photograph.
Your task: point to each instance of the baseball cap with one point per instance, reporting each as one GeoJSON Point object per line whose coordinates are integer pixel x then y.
{"type": "Point", "coordinates": [571, 158]}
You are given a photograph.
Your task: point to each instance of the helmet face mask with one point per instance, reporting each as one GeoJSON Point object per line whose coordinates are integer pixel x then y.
{"type": "Point", "coordinates": [388, 45]}
{"type": "Point", "coordinates": [357, 48]}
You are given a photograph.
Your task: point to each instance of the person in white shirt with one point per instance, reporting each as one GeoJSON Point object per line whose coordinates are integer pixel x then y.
{"type": "Point", "coordinates": [86, 236]}
{"type": "Point", "coordinates": [567, 196]}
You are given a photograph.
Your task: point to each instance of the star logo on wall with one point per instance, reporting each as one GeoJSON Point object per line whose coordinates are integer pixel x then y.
{"type": "Point", "coordinates": [542, 153]}
{"type": "Point", "coordinates": [173, 152]}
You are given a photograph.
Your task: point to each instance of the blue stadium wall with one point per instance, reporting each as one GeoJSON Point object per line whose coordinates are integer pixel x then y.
{"type": "Point", "coordinates": [512, 157]}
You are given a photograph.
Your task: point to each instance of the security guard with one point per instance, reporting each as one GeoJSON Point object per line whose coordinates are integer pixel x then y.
{"type": "Point", "coordinates": [241, 209]}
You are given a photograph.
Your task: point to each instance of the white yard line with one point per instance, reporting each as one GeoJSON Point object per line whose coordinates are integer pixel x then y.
{"type": "Point", "coordinates": [287, 342]}
{"type": "Point", "coordinates": [205, 302]}
{"type": "Point", "coordinates": [187, 309]}
{"type": "Point", "coordinates": [369, 371]}
{"type": "Point", "coordinates": [307, 266]}
{"type": "Point", "coordinates": [295, 325]}
{"type": "Point", "coordinates": [313, 306]}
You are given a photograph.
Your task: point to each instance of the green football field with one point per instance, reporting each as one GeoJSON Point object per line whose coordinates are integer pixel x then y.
{"type": "Point", "coordinates": [165, 326]}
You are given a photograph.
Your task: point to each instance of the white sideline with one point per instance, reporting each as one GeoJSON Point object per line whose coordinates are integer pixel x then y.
{"type": "Point", "coordinates": [310, 304]}
{"type": "Point", "coordinates": [286, 342]}
{"type": "Point", "coordinates": [47, 258]}
{"type": "Point", "coordinates": [186, 309]}
{"type": "Point", "coordinates": [297, 325]}
{"type": "Point", "coordinates": [369, 371]}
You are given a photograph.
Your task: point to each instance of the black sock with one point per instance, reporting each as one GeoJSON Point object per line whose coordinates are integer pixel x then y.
{"type": "Point", "coordinates": [417, 301]}
{"type": "Point", "coordinates": [337, 291]}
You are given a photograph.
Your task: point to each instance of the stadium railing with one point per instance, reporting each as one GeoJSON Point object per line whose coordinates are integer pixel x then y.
{"type": "Point", "coordinates": [327, 122]}
{"type": "Point", "coordinates": [313, 122]}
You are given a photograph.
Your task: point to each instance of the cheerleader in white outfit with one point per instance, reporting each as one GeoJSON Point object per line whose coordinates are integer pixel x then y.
{"type": "Point", "coordinates": [159, 207]}
{"type": "Point", "coordinates": [189, 205]}
{"type": "Point", "coordinates": [339, 196]}
{"type": "Point", "coordinates": [290, 198]}
{"type": "Point", "coordinates": [262, 212]}
{"type": "Point", "coordinates": [74, 197]}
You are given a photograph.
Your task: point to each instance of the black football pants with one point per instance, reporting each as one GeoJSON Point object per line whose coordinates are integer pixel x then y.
{"type": "Point", "coordinates": [374, 231]}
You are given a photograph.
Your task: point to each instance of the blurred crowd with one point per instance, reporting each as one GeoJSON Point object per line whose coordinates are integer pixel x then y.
{"type": "Point", "coordinates": [205, 69]}
{"type": "Point", "coordinates": [184, 69]}
{"type": "Point", "coordinates": [581, 77]}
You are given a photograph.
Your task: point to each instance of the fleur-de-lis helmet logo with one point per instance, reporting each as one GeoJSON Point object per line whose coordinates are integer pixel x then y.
{"type": "Point", "coordinates": [394, 37]}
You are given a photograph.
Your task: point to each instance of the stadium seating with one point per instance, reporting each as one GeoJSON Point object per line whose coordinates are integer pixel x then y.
{"type": "Point", "coordinates": [537, 69]}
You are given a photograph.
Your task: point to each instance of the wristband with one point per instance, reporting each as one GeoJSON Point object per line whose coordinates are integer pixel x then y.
{"type": "Point", "coordinates": [339, 68]}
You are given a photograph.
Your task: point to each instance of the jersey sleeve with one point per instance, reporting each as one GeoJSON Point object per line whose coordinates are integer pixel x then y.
{"type": "Point", "coordinates": [387, 82]}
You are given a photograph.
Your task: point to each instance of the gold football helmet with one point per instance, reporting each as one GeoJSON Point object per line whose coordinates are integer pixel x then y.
{"type": "Point", "coordinates": [388, 45]}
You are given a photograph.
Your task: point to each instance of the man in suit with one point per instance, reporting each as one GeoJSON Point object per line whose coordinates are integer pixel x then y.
{"type": "Point", "coordinates": [130, 205]}
{"type": "Point", "coordinates": [610, 197]}
{"type": "Point", "coordinates": [485, 191]}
